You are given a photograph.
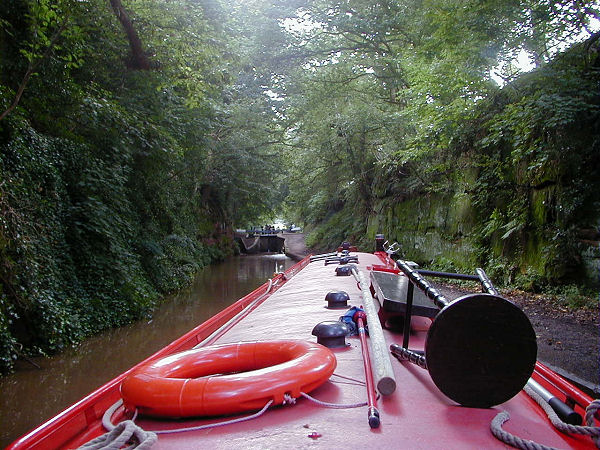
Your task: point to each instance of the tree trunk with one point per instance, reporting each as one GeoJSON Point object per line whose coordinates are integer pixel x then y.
{"type": "Point", "coordinates": [139, 60]}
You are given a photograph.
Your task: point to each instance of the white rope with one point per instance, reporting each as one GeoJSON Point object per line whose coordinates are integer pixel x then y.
{"type": "Point", "coordinates": [107, 423]}
{"type": "Point", "coordinates": [119, 435]}
{"type": "Point", "coordinates": [150, 436]}
{"type": "Point", "coordinates": [106, 418]}
{"type": "Point", "coordinates": [515, 441]}
{"type": "Point", "coordinates": [333, 405]}
{"type": "Point", "coordinates": [589, 430]}
{"type": "Point", "coordinates": [511, 439]}
{"type": "Point", "coordinates": [355, 381]}
{"type": "Point", "coordinates": [217, 424]}
{"type": "Point", "coordinates": [287, 400]}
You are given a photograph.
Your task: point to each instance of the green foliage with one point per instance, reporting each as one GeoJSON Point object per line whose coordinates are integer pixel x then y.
{"type": "Point", "coordinates": [339, 227]}
{"type": "Point", "coordinates": [523, 157]}
{"type": "Point", "coordinates": [117, 186]}
{"type": "Point", "coordinates": [7, 341]}
{"type": "Point", "coordinates": [542, 145]}
{"type": "Point", "coordinates": [574, 297]}
{"type": "Point", "coordinates": [173, 263]}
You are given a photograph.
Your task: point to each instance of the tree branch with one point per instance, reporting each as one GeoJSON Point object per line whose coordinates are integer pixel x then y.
{"type": "Point", "coordinates": [31, 68]}
{"type": "Point", "coordinates": [139, 60]}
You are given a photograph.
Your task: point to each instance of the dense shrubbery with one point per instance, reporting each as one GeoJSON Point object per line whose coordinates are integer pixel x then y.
{"type": "Point", "coordinates": [116, 185]}
{"type": "Point", "coordinates": [80, 253]}
{"type": "Point", "coordinates": [123, 162]}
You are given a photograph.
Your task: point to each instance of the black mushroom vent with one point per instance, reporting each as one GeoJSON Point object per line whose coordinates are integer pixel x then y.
{"type": "Point", "coordinates": [337, 300]}
{"type": "Point", "coordinates": [331, 333]}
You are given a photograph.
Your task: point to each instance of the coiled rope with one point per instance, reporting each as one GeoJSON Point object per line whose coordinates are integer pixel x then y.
{"type": "Point", "coordinates": [124, 432]}
{"type": "Point", "coordinates": [515, 441]}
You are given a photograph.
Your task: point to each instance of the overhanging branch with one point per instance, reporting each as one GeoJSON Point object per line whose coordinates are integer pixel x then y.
{"type": "Point", "coordinates": [139, 59]}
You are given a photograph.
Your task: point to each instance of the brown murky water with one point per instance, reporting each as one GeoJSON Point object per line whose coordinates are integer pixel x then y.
{"type": "Point", "coordinates": [31, 395]}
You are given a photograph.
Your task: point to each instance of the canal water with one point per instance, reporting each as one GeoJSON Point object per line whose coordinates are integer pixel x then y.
{"type": "Point", "coordinates": [32, 395]}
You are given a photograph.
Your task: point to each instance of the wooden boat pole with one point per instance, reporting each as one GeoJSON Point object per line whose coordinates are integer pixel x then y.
{"type": "Point", "coordinates": [382, 365]}
{"type": "Point", "coordinates": [373, 412]}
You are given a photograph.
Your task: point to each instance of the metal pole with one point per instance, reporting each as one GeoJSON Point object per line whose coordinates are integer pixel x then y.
{"type": "Point", "coordinates": [408, 314]}
{"type": "Point", "coordinates": [486, 282]}
{"type": "Point", "coordinates": [409, 355]}
{"type": "Point", "coordinates": [469, 354]}
{"type": "Point", "coordinates": [373, 412]}
{"type": "Point", "coordinates": [431, 292]}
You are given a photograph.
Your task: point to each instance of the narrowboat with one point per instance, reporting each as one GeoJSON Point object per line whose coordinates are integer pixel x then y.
{"type": "Point", "coordinates": [343, 350]}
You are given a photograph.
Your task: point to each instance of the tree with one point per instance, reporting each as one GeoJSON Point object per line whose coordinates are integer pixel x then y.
{"type": "Point", "coordinates": [45, 24]}
{"type": "Point", "coordinates": [139, 60]}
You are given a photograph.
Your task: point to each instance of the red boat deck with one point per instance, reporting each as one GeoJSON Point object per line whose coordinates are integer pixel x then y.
{"type": "Point", "coordinates": [416, 415]}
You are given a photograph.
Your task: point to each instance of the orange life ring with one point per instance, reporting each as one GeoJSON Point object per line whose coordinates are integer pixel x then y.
{"type": "Point", "coordinates": [227, 379]}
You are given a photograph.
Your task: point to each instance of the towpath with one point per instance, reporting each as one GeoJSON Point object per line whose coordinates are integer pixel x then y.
{"type": "Point", "coordinates": [567, 340]}
{"type": "Point", "coordinates": [295, 245]}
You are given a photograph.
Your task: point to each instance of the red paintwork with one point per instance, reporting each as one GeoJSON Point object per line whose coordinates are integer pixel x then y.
{"type": "Point", "coordinates": [555, 383]}
{"type": "Point", "coordinates": [416, 415]}
{"type": "Point", "coordinates": [388, 263]}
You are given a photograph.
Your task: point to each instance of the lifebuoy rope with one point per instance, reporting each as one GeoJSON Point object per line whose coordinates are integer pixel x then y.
{"type": "Point", "coordinates": [127, 431]}
{"type": "Point", "coordinates": [332, 405]}
{"type": "Point", "coordinates": [217, 424]}
{"type": "Point", "coordinates": [515, 441]}
{"type": "Point", "coordinates": [122, 432]}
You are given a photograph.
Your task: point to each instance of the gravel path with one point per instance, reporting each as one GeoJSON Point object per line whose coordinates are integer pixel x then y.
{"type": "Point", "coordinates": [295, 245]}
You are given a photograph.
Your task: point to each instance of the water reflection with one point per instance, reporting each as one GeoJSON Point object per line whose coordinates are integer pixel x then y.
{"type": "Point", "coordinates": [31, 395]}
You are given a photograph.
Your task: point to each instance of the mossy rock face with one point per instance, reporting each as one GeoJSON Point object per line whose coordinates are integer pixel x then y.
{"type": "Point", "coordinates": [432, 246]}
{"type": "Point", "coordinates": [510, 189]}
{"type": "Point", "coordinates": [421, 213]}
{"type": "Point", "coordinates": [461, 216]}
{"type": "Point", "coordinates": [373, 227]}
{"type": "Point", "coordinates": [443, 228]}
{"type": "Point", "coordinates": [469, 173]}
{"type": "Point", "coordinates": [542, 201]}
{"type": "Point", "coordinates": [534, 257]}
{"type": "Point", "coordinates": [429, 228]}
